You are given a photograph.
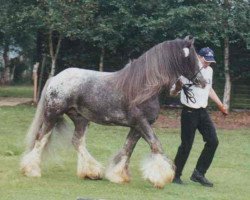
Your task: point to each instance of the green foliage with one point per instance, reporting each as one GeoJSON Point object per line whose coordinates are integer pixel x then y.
{"type": "Point", "coordinates": [15, 28]}
{"type": "Point", "coordinates": [211, 21]}
{"type": "Point", "coordinates": [66, 17]}
{"type": "Point", "coordinates": [125, 29]}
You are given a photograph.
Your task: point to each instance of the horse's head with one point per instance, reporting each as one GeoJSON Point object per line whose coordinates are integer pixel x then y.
{"type": "Point", "coordinates": [190, 63]}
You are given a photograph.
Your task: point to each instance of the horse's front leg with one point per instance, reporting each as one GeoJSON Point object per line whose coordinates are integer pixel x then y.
{"type": "Point", "coordinates": [157, 168]}
{"type": "Point", "coordinates": [118, 169]}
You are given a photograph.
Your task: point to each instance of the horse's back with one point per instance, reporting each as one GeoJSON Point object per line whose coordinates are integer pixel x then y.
{"type": "Point", "coordinates": [72, 78]}
{"type": "Point", "coordinates": [68, 84]}
{"type": "Point", "coordinates": [76, 75]}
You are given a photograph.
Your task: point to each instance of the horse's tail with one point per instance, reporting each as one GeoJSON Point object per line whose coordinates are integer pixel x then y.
{"type": "Point", "coordinates": [37, 120]}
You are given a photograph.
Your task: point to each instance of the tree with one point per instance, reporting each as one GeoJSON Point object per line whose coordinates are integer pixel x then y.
{"type": "Point", "coordinates": [236, 19]}
{"type": "Point", "coordinates": [60, 19]}
{"type": "Point", "coordinates": [54, 21]}
{"type": "Point", "coordinates": [114, 31]}
{"type": "Point", "coordinates": [220, 23]}
{"type": "Point", "coordinates": [15, 32]}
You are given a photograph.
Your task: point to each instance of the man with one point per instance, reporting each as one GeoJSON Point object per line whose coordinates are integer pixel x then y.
{"type": "Point", "coordinates": [195, 116]}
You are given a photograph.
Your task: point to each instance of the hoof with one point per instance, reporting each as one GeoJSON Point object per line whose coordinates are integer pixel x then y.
{"type": "Point", "coordinates": [118, 173]}
{"type": "Point", "coordinates": [90, 175]}
{"type": "Point", "coordinates": [31, 171]}
{"type": "Point", "coordinates": [158, 170]}
{"type": "Point", "coordinates": [93, 171]}
{"type": "Point", "coordinates": [30, 165]}
{"type": "Point", "coordinates": [121, 176]}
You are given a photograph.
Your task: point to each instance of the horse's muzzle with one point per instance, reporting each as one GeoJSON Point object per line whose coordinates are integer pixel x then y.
{"type": "Point", "coordinates": [199, 80]}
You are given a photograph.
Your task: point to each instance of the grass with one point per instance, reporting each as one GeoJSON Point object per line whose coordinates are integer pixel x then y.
{"type": "Point", "coordinates": [16, 91]}
{"type": "Point", "coordinates": [230, 170]}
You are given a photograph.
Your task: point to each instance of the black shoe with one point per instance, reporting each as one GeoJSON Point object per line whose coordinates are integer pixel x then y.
{"type": "Point", "coordinates": [177, 180]}
{"type": "Point", "coordinates": [200, 178]}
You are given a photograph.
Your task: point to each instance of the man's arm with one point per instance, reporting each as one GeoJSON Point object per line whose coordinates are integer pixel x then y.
{"type": "Point", "coordinates": [215, 98]}
{"type": "Point", "coordinates": [175, 90]}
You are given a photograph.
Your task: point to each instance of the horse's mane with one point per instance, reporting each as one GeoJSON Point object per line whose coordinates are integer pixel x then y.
{"type": "Point", "coordinates": [144, 77]}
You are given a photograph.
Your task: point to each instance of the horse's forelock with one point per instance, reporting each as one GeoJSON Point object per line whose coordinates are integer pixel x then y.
{"type": "Point", "coordinates": [191, 63]}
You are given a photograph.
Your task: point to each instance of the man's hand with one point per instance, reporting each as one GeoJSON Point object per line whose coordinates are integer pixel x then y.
{"type": "Point", "coordinates": [176, 88]}
{"type": "Point", "coordinates": [223, 109]}
{"type": "Point", "coordinates": [178, 85]}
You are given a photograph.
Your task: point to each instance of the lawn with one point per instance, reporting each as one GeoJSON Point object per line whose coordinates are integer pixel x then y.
{"type": "Point", "coordinates": [16, 91]}
{"type": "Point", "coordinates": [230, 170]}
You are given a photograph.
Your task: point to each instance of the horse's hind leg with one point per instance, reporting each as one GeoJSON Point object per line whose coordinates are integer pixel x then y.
{"type": "Point", "coordinates": [118, 169]}
{"type": "Point", "coordinates": [30, 163]}
{"type": "Point", "coordinates": [87, 166]}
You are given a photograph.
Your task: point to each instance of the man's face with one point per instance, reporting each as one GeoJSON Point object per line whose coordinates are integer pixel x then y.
{"type": "Point", "coordinates": [204, 63]}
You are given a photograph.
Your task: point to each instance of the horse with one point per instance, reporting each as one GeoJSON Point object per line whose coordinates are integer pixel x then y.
{"type": "Point", "coordinates": [128, 97]}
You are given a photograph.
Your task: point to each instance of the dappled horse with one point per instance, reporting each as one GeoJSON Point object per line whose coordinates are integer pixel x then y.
{"type": "Point", "coordinates": [128, 97]}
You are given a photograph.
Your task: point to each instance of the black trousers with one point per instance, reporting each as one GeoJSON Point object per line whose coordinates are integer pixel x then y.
{"type": "Point", "coordinates": [191, 120]}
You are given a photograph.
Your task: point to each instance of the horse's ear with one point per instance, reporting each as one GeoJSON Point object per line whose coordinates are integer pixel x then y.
{"type": "Point", "coordinates": [190, 40]}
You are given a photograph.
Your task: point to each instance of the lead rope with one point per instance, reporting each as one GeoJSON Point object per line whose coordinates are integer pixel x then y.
{"type": "Point", "coordinates": [188, 91]}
